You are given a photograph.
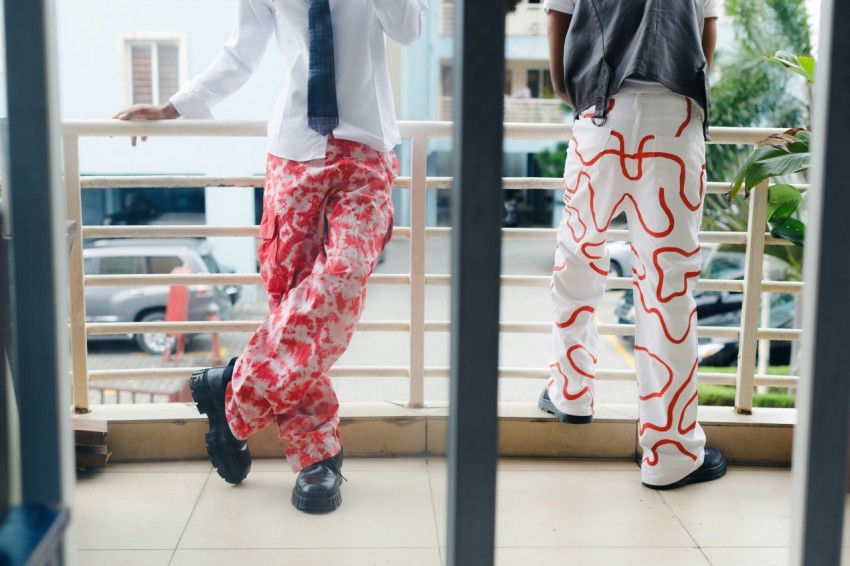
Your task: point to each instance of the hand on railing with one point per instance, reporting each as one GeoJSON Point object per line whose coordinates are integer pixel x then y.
{"type": "Point", "coordinates": [147, 112]}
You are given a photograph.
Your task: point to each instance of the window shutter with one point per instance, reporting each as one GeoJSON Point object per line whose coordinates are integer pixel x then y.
{"type": "Point", "coordinates": [169, 70]}
{"type": "Point", "coordinates": [141, 56]}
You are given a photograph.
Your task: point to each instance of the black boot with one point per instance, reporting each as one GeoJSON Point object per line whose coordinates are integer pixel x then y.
{"type": "Point", "coordinates": [317, 487]}
{"type": "Point", "coordinates": [546, 404]}
{"type": "Point", "coordinates": [230, 456]}
{"type": "Point", "coordinates": [713, 467]}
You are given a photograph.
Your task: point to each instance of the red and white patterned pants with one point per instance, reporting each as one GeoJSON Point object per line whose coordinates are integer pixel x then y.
{"type": "Point", "coordinates": [648, 159]}
{"type": "Point", "coordinates": [325, 222]}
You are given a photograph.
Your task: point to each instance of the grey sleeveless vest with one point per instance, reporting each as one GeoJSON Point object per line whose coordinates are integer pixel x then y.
{"type": "Point", "coordinates": [654, 40]}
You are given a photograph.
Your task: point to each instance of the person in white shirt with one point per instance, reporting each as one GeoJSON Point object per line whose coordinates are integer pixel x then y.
{"type": "Point", "coordinates": [636, 75]}
{"type": "Point", "coordinates": [327, 215]}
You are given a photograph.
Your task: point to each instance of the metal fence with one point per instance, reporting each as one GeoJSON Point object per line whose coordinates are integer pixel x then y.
{"type": "Point", "coordinates": [418, 183]}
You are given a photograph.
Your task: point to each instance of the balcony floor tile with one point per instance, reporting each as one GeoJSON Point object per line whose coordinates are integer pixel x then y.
{"type": "Point", "coordinates": [138, 511]}
{"type": "Point", "coordinates": [394, 512]}
{"type": "Point", "coordinates": [381, 508]}
{"type": "Point", "coordinates": [310, 557]}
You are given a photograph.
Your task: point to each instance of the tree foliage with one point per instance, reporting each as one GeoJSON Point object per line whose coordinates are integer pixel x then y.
{"type": "Point", "coordinates": [749, 93]}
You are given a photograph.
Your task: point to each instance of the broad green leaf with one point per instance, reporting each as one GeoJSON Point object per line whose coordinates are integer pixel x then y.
{"type": "Point", "coordinates": [775, 166]}
{"type": "Point", "coordinates": [780, 154]}
{"type": "Point", "coordinates": [782, 202]}
{"type": "Point", "coordinates": [802, 65]}
{"type": "Point", "coordinates": [790, 229]}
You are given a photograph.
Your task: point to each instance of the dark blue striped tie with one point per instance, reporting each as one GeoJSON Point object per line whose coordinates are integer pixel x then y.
{"type": "Point", "coordinates": [322, 111]}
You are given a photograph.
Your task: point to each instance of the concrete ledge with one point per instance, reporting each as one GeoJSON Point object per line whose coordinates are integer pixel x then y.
{"type": "Point", "coordinates": [176, 431]}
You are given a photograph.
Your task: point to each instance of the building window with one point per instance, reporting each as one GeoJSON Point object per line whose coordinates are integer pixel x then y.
{"type": "Point", "coordinates": [539, 82]}
{"type": "Point", "coordinates": [155, 69]}
{"type": "Point", "coordinates": [447, 80]}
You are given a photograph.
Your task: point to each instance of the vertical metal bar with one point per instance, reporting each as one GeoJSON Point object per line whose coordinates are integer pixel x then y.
{"type": "Point", "coordinates": [76, 276]}
{"type": "Point", "coordinates": [38, 254]}
{"type": "Point", "coordinates": [5, 425]}
{"type": "Point", "coordinates": [752, 299]}
{"type": "Point", "coordinates": [819, 479]}
{"type": "Point", "coordinates": [418, 191]}
{"type": "Point", "coordinates": [476, 263]}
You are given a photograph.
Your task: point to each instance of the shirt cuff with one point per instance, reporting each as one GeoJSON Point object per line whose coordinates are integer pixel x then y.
{"type": "Point", "coordinates": [558, 6]}
{"type": "Point", "coordinates": [190, 106]}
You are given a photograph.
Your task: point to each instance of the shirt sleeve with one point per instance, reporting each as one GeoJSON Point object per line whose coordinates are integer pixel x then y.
{"type": "Point", "coordinates": [234, 65]}
{"type": "Point", "coordinates": [402, 19]}
{"type": "Point", "coordinates": [565, 6]}
{"type": "Point", "coordinates": [713, 9]}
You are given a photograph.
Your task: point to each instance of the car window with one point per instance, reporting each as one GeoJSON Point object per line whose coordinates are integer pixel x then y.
{"type": "Point", "coordinates": [722, 266]}
{"type": "Point", "coordinates": [121, 265]}
{"type": "Point", "coordinates": [212, 264]}
{"type": "Point", "coordinates": [89, 264]}
{"type": "Point", "coordinates": [163, 264]}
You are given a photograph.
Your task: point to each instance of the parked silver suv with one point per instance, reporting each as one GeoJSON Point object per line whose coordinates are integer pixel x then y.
{"type": "Point", "coordinates": [147, 303]}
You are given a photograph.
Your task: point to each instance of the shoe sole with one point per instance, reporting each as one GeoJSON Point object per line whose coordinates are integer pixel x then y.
{"type": "Point", "coordinates": [206, 406]}
{"type": "Point", "coordinates": [698, 476]}
{"type": "Point", "coordinates": [317, 504]}
{"type": "Point", "coordinates": [546, 405]}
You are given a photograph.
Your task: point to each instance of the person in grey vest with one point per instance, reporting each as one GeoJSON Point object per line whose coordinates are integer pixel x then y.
{"type": "Point", "coordinates": [327, 215]}
{"type": "Point", "coordinates": [636, 76]}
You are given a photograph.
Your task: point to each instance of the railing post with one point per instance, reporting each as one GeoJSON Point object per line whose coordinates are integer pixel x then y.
{"type": "Point", "coordinates": [752, 299]}
{"type": "Point", "coordinates": [418, 174]}
{"type": "Point", "coordinates": [76, 276]}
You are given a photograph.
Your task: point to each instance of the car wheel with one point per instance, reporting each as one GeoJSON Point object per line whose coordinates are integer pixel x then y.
{"type": "Point", "coordinates": [614, 270]}
{"type": "Point", "coordinates": [152, 343]}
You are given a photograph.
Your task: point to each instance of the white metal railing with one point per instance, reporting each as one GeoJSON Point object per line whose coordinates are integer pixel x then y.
{"type": "Point", "coordinates": [524, 110]}
{"type": "Point", "coordinates": [417, 326]}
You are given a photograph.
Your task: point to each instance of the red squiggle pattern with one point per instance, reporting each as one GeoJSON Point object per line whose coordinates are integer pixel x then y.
{"type": "Point", "coordinates": [688, 275]}
{"type": "Point", "coordinates": [652, 460]}
{"type": "Point", "coordinates": [577, 369]}
{"type": "Point", "coordinates": [666, 367]}
{"type": "Point", "coordinates": [660, 316]}
{"type": "Point", "coordinates": [570, 396]}
{"type": "Point", "coordinates": [570, 321]}
{"type": "Point", "coordinates": [670, 408]}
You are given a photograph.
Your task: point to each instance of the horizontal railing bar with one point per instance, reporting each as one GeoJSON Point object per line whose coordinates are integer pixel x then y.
{"type": "Point", "coordinates": [166, 231]}
{"type": "Point", "coordinates": [784, 334]}
{"type": "Point", "coordinates": [229, 128]}
{"type": "Point", "coordinates": [188, 231]}
{"type": "Point", "coordinates": [194, 181]}
{"type": "Point", "coordinates": [526, 234]}
{"type": "Point", "coordinates": [607, 329]}
{"type": "Point", "coordinates": [211, 279]}
{"type": "Point", "coordinates": [532, 281]}
{"type": "Point", "coordinates": [556, 183]}
{"type": "Point", "coordinates": [402, 372]}
{"type": "Point", "coordinates": [185, 372]}
{"type": "Point", "coordinates": [168, 182]}
{"type": "Point", "coordinates": [198, 327]}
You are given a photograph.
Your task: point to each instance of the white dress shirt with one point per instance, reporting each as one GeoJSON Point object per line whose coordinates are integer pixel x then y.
{"type": "Point", "coordinates": [364, 94]}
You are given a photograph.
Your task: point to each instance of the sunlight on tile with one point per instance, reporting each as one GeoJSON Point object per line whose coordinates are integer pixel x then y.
{"type": "Point", "coordinates": [380, 509]}
{"type": "Point", "coordinates": [566, 509]}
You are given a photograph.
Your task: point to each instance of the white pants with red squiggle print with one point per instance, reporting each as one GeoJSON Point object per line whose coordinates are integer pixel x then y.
{"type": "Point", "coordinates": [325, 222]}
{"type": "Point", "coordinates": [648, 160]}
